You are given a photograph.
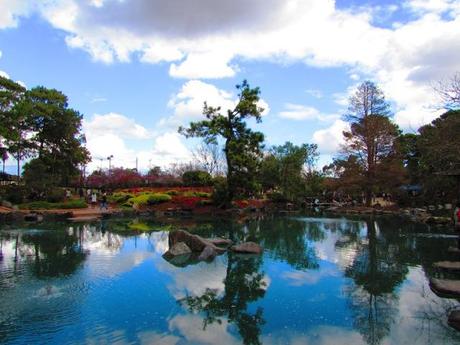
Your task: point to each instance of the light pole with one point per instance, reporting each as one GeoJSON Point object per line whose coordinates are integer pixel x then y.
{"type": "Point", "coordinates": [109, 158]}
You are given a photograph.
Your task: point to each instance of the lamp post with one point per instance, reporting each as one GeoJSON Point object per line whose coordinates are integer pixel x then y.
{"type": "Point", "coordinates": [109, 158]}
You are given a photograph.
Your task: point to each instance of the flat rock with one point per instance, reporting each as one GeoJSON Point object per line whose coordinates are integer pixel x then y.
{"type": "Point", "coordinates": [84, 219]}
{"type": "Point", "coordinates": [180, 248]}
{"type": "Point", "coordinates": [453, 250]}
{"type": "Point", "coordinates": [445, 287]}
{"type": "Point", "coordinates": [247, 248]}
{"type": "Point", "coordinates": [448, 265]}
{"type": "Point", "coordinates": [207, 254]}
{"type": "Point", "coordinates": [223, 242]}
{"type": "Point", "coordinates": [194, 242]}
{"type": "Point", "coordinates": [454, 319]}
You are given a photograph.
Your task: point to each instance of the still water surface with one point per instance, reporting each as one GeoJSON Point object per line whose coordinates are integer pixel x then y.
{"type": "Point", "coordinates": [319, 281]}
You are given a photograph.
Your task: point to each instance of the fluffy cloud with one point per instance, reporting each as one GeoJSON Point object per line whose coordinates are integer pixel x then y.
{"type": "Point", "coordinates": [112, 134]}
{"type": "Point", "coordinates": [187, 104]}
{"type": "Point", "coordinates": [11, 10]}
{"type": "Point", "coordinates": [113, 123]}
{"type": "Point", "coordinates": [203, 39]}
{"type": "Point", "coordinates": [303, 112]}
{"type": "Point", "coordinates": [330, 139]}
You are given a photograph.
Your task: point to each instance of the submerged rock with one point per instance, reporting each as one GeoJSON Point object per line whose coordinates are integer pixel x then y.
{"type": "Point", "coordinates": [207, 254]}
{"type": "Point", "coordinates": [247, 248]}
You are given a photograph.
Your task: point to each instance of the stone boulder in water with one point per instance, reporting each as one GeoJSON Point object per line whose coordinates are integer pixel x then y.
{"type": "Point", "coordinates": [207, 254]}
{"type": "Point", "coordinates": [247, 248]}
{"type": "Point", "coordinates": [180, 248]}
{"type": "Point", "coordinates": [195, 242]}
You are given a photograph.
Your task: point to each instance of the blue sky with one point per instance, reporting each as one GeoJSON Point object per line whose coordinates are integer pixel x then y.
{"type": "Point", "coordinates": [137, 69]}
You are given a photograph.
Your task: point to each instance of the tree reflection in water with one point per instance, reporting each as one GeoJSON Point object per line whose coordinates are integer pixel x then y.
{"type": "Point", "coordinates": [376, 271]}
{"type": "Point", "coordinates": [243, 284]}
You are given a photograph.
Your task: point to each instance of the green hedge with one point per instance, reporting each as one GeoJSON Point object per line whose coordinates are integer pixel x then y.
{"type": "Point", "coordinates": [197, 194]}
{"type": "Point", "coordinates": [149, 199]}
{"type": "Point", "coordinates": [45, 205]}
{"type": "Point", "coordinates": [120, 197]}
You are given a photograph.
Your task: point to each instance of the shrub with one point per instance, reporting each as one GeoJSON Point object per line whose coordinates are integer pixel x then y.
{"type": "Point", "coordinates": [45, 205]}
{"type": "Point", "coordinates": [220, 194]}
{"type": "Point", "coordinates": [276, 197]}
{"type": "Point", "coordinates": [78, 203]}
{"type": "Point", "coordinates": [120, 197]}
{"type": "Point", "coordinates": [55, 195]}
{"type": "Point", "coordinates": [205, 202]}
{"type": "Point", "coordinates": [172, 192]}
{"type": "Point", "coordinates": [197, 194]}
{"type": "Point", "coordinates": [149, 199]}
{"type": "Point", "coordinates": [196, 178]}
{"type": "Point", "coordinates": [158, 198]}
{"type": "Point", "coordinates": [14, 194]}
{"type": "Point", "coordinates": [139, 200]}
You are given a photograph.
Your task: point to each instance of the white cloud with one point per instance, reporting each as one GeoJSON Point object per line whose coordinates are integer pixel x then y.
{"type": "Point", "coordinates": [169, 148]}
{"type": "Point", "coordinates": [113, 123]}
{"type": "Point", "coordinates": [11, 10]}
{"type": "Point", "coordinates": [190, 326]}
{"type": "Point", "coordinates": [4, 74]}
{"type": "Point", "coordinates": [109, 135]}
{"type": "Point", "coordinates": [330, 139]}
{"type": "Point", "coordinates": [204, 65]}
{"type": "Point", "coordinates": [187, 104]}
{"type": "Point", "coordinates": [303, 112]}
{"type": "Point", "coordinates": [206, 42]}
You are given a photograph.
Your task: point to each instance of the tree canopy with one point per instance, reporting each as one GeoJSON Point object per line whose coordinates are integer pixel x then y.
{"type": "Point", "coordinates": [372, 137]}
{"type": "Point", "coordinates": [242, 145]}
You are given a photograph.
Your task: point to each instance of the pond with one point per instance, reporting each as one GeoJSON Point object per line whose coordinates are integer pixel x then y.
{"type": "Point", "coordinates": [320, 281]}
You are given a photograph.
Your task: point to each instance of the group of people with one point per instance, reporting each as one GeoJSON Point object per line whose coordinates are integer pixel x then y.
{"type": "Point", "coordinates": [93, 196]}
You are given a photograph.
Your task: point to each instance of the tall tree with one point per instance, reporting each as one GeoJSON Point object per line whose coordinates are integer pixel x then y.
{"type": "Point", "coordinates": [13, 120]}
{"type": "Point", "coordinates": [57, 135]}
{"type": "Point", "coordinates": [242, 145]}
{"type": "Point", "coordinates": [372, 135]}
{"type": "Point", "coordinates": [284, 168]}
{"type": "Point", "coordinates": [439, 146]}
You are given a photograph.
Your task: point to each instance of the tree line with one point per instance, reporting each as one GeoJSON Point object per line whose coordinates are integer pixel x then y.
{"type": "Point", "coordinates": [376, 157]}
{"type": "Point", "coordinates": [37, 126]}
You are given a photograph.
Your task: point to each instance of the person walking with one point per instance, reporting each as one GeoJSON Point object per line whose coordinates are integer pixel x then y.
{"type": "Point", "coordinates": [104, 201]}
{"type": "Point", "coordinates": [93, 199]}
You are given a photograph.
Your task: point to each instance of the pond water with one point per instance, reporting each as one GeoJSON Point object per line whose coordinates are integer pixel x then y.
{"type": "Point", "coordinates": [320, 281]}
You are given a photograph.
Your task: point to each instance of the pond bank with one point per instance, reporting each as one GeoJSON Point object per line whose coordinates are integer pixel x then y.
{"type": "Point", "coordinates": [418, 215]}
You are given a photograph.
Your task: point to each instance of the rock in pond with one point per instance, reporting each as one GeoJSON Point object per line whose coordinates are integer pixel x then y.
{"type": "Point", "coordinates": [447, 288]}
{"type": "Point", "coordinates": [448, 265]}
{"type": "Point", "coordinates": [207, 254]}
{"type": "Point", "coordinates": [194, 242]}
{"type": "Point", "coordinates": [247, 248]}
{"type": "Point", "coordinates": [180, 248]}
{"type": "Point", "coordinates": [221, 242]}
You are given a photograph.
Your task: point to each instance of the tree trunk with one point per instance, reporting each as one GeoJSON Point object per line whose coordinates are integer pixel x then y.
{"type": "Point", "coordinates": [19, 163]}
{"type": "Point", "coordinates": [230, 182]}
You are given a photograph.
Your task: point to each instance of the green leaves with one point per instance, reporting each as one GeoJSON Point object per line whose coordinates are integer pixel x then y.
{"type": "Point", "coordinates": [242, 146]}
